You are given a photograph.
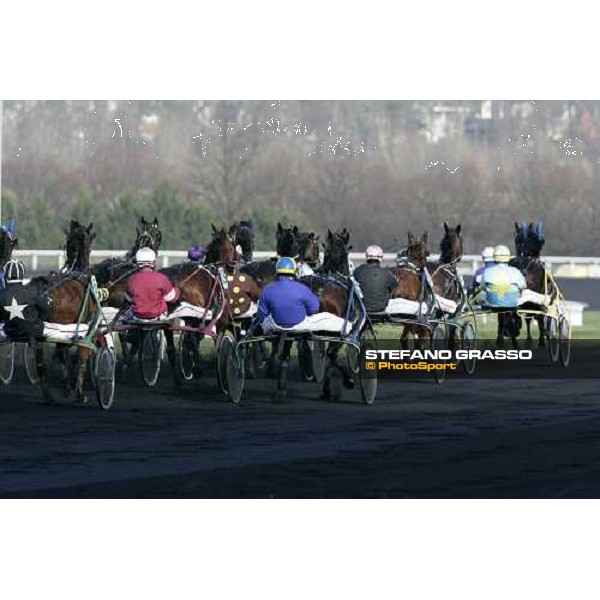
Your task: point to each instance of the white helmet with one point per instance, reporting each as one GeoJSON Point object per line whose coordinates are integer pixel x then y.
{"type": "Point", "coordinates": [145, 256]}
{"type": "Point", "coordinates": [487, 254]}
{"type": "Point", "coordinates": [501, 254]}
{"type": "Point", "coordinates": [374, 253]}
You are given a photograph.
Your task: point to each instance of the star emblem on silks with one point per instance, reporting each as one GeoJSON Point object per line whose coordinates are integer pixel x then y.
{"type": "Point", "coordinates": [15, 309]}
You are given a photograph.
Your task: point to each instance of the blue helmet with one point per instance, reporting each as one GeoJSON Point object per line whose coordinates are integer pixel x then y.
{"type": "Point", "coordinates": [285, 266]}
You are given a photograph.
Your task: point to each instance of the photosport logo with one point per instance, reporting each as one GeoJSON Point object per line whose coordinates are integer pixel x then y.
{"type": "Point", "coordinates": [483, 360]}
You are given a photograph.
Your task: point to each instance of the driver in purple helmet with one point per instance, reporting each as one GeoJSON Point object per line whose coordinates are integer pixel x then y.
{"type": "Point", "coordinates": [196, 254]}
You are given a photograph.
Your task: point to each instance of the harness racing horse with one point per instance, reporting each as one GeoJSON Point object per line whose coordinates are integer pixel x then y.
{"type": "Point", "coordinates": [444, 274]}
{"type": "Point", "coordinates": [198, 285]}
{"type": "Point", "coordinates": [263, 271]}
{"type": "Point", "coordinates": [112, 273]}
{"type": "Point", "coordinates": [308, 248]}
{"type": "Point", "coordinates": [64, 298]}
{"type": "Point", "coordinates": [244, 238]}
{"type": "Point", "coordinates": [529, 241]}
{"type": "Point", "coordinates": [410, 277]}
{"type": "Point", "coordinates": [8, 241]}
{"type": "Point", "coordinates": [332, 288]}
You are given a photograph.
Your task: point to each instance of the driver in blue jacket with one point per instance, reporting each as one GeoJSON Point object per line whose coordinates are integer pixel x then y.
{"type": "Point", "coordinates": [286, 301]}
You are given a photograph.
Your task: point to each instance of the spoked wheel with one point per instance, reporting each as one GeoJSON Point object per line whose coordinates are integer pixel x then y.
{"type": "Point", "coordinates": [552, 334]}
{"type": "Point", "coordinates": [105, 377]}
{"type": "Point", "coordinates": [149, 356]}
{"type": "Point", "coordinates": [7, 362]}
{"type": "Point", "coordinates": [353, 359]}
{"type": "Point", "coordinates": [438, 342]}
{"type": "Point", "coordinates": [368, 380]}
{"type": "Point", "coordinates": [30, 363]}
{"type": "Point", "coordinates": [234, 372]}
{"type": "Point", "coordinates": [224, 341]}
{"type": "Point", "coordinates": [564, 337]}
{"type": "Point", "coordinates": [186, 354]}
{"type": "Point", "coordinates": [318, 360]}
{"type": "Point", "coordinates": [467, 342]}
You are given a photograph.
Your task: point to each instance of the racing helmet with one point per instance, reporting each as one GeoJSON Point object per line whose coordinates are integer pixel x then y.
{"type": "Point", "coordinates": [374, 252]}
{"type": "Point", "coordinates": [14, 271]}
{"type": "Point", "coordinates": [501, 254]}
{"type": "Point", "coordinates": [487, 254]}
{"type": "Point", "coordinates": [285, 266]}
{"type": "Point", "coordinates": [145, 257]}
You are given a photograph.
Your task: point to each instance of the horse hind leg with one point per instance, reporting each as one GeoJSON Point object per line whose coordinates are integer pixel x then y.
{"type": "Point", "coordinates": [500, 333]}
{"type": "Point", "coordinates": [84, 355]}
{"type": "Point", "coordinates": [529, 338]}
{"type": "Point", "coordinates": [172, 356]}
{"type": "Point", "coordinates": [543, 336]}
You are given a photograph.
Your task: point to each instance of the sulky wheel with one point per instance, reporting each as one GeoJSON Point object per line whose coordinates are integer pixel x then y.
{"type": "Point", "coordinates": [186, 354]}
{"type": "Point", "coordinates": [7, 362]}
{"type": "Point", "coordinates": [468, 342]}
{"type": "Point", "coordinates": [367, 381]}
{"type": "Point", "coordinates": [552, 335]}
{"type": "Point", "coordinates": [353, 359]}
{"type": "Point", "coordinates": [149, 356]}
{"type": "Point", "coordinates": [104, 375]}
{"type": "Point", "coordinates": [30, 363]}
{"type": "Point", "coordinates": [438, 342]}
{"type": "Point", "coordinates": [234, 372]}
{"type": "Point", "coordinates": [224, 341]}
{"type": "Point", "coordinates": [318, 360]}
{"type": "Point", "coordinates": [564, 341]}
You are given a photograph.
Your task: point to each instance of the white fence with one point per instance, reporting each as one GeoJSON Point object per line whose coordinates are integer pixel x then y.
{"type": "Point", "coordinates": [583, 267]}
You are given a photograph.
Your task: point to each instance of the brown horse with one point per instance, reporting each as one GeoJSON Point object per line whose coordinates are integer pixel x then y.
{"type": "Point", "coordinates": [65, 294]}
{"type": "Point", "coordinates": [409, 276]}
{"type": "Point", "coordinates": [200, 286]}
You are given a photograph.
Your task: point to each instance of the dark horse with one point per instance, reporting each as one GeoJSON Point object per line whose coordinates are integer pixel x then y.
{"type": "Point", "coordinates": [244, 238]}
{"type": "Point", "coordinates": [443, 272]}
{"type": "Point", "coordinates": [529, 241]}
{"type": "Point", "coordinates": [409, 276]}
{"type": "Point", "coordinates": [8, 241]}
{"type": "Point", "coordinates": [333, 298]}
{"type": "Point", "coordinates": [286, 245]}
{"type": "Point", "coordinates": [65, 292]}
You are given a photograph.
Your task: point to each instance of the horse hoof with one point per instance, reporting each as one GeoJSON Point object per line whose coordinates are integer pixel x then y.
{"type": "Point", "coordinates": [528, 343]}
{"type": "Point", "coordinates": [81, 400]}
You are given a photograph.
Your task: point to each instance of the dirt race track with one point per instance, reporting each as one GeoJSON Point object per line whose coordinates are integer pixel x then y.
{"type": "Point", "coordinates": [472, 439]}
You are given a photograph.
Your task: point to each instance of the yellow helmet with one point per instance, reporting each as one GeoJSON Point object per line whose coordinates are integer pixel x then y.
{"type": "Point", "coordinates": [501, 254]}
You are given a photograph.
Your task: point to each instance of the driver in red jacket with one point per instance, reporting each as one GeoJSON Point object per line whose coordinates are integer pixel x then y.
{"type": "Point", "coordinates": [148, 290]}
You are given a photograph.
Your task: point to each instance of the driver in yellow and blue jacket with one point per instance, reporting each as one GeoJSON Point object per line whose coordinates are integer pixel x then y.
{"type": "Point", "coordinates": [501, 284]}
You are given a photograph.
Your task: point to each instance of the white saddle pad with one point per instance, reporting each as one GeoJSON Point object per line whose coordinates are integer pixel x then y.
{"type": "Point", "coordinates": [182, 311]}
{"type": "Point", "coordinates": [531, 296]}
{"type": "Point", "coordinates": [320, 322]}
{"type": "Point", "coordinates": [57, 332]}
{"type": "Point", "coordinates": [185, 309]}
{"type": "Point", "coordinates": [446, 305]}
{"type": "Point", "coordinates": [401, 306]}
